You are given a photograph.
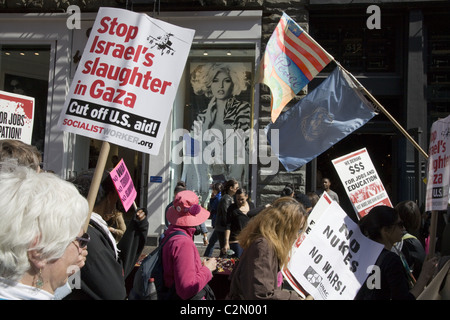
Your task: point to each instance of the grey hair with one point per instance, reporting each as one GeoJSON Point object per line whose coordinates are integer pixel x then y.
{"type": "Point", "coordinates": [38, 211]}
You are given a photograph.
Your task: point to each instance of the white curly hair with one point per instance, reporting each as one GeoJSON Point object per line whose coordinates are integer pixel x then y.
{"type": "Point", "coordinates": [38, 211]}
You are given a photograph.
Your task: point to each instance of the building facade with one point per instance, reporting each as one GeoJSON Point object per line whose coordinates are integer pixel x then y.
{"type": "Point", "coordinates": [399, 50]}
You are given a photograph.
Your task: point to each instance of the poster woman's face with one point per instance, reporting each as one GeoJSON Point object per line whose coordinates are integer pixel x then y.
{"type": "Point", "coordinates": [222, 86]}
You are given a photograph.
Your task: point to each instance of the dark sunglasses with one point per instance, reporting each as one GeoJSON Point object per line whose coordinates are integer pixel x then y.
{"type": "Point", "coordinates": [83, 240]}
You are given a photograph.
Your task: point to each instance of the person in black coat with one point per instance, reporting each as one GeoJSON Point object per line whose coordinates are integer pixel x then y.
{"type": "Point", "coordinates": [108, 264]}
{"type": "Point", "coordinates": [229, 190]}
{"type": "Point", "coordinates": [237, 219]}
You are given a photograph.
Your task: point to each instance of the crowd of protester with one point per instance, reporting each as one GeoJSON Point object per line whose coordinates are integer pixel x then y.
{"type": "Point", "coordinates": [43, 240]}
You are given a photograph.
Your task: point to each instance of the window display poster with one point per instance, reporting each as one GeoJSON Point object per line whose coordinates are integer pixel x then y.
{"type": "Point", "coordinates": [16, 117]}
{"type": "Point", "coordinates": [361, 181]}
{"type": "Point", "coordinates": [438, 169]}
{"type": "Point", "coordinates": [127, 79]}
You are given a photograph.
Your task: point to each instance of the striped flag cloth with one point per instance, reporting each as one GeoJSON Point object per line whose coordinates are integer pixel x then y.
{"type": "Point", "coordinates": [292, 59]}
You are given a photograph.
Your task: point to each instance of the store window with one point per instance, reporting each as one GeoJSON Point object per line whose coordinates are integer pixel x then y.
{"type": "Point", "coordinates": [216, 121]}
{"type": "Point", "coordinates": [438, 68]}
{"type": "Point", "coordinates": [356, 47]}
{"type": "Point", "coordinates": [24, 69]}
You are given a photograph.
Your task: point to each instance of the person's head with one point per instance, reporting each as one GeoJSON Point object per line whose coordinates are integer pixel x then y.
{"type": "Point", "coordinates": [107, 195]}
{"type": "Point", "coordinates": [25, 154]}
{"type": "Point", "coordinates": [42, 215]}
{"type": "Point", "coordinates": [205, 79]}
{"type": "Point", "coordinates": [288, 190]}
{"type": "Point", "coordinates": [409, 213]}
{"type": "Point", "coordinates": [217, 188]}
{"type": "Point", "coordinates": [304, 200]}
{"type": "Point", "coordinates": [241, 197]}
{"type": "Point", "coordinates": [181, 186]}
{"type": "Point", "coordinates": [186, 211]}
{"type": "Point", "coordinates": [313, 197]}
{"type": "Point", "coordinates": [382, 224]}
{"type": "Point", "coordinates": [231, 187]}
{"type": "Point", "coordinates": [326, 183]}
{"type": "Point", "coordinates": [279, 224]}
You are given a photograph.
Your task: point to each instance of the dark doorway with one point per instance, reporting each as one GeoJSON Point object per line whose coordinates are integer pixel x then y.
{"type": "Point", "coordinates": [379, 147]}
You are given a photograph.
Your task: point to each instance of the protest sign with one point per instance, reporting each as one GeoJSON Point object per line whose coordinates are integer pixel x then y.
{"type": "Point", "coordinates": [361, 181]}
{"type": "Point", "coordinates": [438, 174]}
{"type": "Point", "coordinates": [334, 259]}
{"type": "Point", "coordinates": [127, 79]}
{"type": "Point", "coordinates": [124, 184]}
{"type": "Point", "coordinates": [16, 117]}
{"type": "Point", "coordinates": [315, 214]}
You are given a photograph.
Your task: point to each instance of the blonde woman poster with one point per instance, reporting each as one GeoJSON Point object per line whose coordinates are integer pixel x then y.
{"type": "Point", "coordinates": [221, 126]}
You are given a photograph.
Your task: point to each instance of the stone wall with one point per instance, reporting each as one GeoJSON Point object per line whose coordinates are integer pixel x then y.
{"type": "Point", "coordinates": [270, 187]}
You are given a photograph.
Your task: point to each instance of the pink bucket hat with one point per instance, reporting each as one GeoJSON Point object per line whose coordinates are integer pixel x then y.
{"type": "Point", "coordinates": [186, 212]}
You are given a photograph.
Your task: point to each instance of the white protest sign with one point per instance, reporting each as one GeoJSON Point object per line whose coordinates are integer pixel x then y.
{"type": "Point", "coordinates": [335, 258]}
{"type": "Point", "coordinates": [127, 79]}
{"type": "Point", "coordinates": [361, 181]}
{"type": "Point", "coordinates": [438, 166]}
{"type": "Point", "coordinates": [315, 214]}
{"type": "Point", "coordinates": [16, 117]}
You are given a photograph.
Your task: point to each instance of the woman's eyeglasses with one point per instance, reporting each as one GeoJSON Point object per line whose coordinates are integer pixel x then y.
{"type": "Point", "coordinates": [83, 240]}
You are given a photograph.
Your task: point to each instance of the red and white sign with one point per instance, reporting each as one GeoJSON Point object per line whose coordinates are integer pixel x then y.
{"type": "Point", "coordinates": [124, 184]}
{"type": "Point", "coordinates": [16, 117]}
{"type": "Point", "coordinates": [127, 79]}
{"type": "Point", "coordinates": [438, 166]}
{"type": "Point", "coordinates": [361, 181]}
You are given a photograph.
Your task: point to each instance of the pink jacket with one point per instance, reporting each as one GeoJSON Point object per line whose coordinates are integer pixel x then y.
{"type": "Point", "coordinates": [182, 264]}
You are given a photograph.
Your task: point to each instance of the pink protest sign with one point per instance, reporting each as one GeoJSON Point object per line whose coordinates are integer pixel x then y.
{"type": "Point", "coordinates": [124, 184]}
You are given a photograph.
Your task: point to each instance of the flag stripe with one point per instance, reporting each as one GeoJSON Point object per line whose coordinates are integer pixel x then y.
{"type": "Point", "coordinates": [302, 47]}
{"type": "Point", "coordinates": [295, 58]}
{"type": "Point", "coordinates": [299, 62]}
{"type": "Point", "coordinates": [317, 55]}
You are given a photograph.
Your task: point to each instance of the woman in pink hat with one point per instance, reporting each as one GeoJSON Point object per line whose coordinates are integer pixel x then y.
{"type": "Point", "coordinates": [184, 271]}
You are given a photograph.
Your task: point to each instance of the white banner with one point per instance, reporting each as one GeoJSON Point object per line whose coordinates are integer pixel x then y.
{"type": "Point", "coordinates": [16, 117]}
{"type": "Point", "coordinates": [127, 79]}
{"type": "Point", "coordinates": [438, 166]}
{"type": "Point", "coordinates": [361, 181]}
{"type": "Point", "coordinates": [334, 259]}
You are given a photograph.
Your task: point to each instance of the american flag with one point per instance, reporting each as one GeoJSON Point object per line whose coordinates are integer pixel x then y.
{"type": "Point", "coordinates": [292, 58]}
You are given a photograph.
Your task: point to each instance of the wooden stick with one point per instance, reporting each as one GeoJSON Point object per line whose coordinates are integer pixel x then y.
{"type": "Point", "coordinates": [433, 228]}
{"type": "Point", "coordinates": [388, 115]}
{"type": "Point", "coordinates": [97, 179]}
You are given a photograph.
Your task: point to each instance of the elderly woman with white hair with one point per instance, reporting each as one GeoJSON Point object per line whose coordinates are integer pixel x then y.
{"type": "Point", "coordinates": [41, 232]}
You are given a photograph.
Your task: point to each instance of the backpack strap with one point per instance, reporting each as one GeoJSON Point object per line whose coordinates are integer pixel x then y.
{"type": "Point", "coordinates": [163, 242]}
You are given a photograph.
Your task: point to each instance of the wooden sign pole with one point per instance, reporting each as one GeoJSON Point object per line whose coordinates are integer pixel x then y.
{"type": "Point", "coordinates": [97, 179]}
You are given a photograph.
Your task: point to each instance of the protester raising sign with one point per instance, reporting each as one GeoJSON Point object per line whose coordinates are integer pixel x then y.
{"type": "Point", "coordinates": [334, 259]}
{"type": "Point", "coordinates": [124, 184]}
{"type": "Point", "coordinates": [127, 79]}
{"type": "Point", "coordinates": [16, 117]}
{"type": "Point", "coordinates": [438, 166]}
{"type": "Point", "coordinates": [361, 181]}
